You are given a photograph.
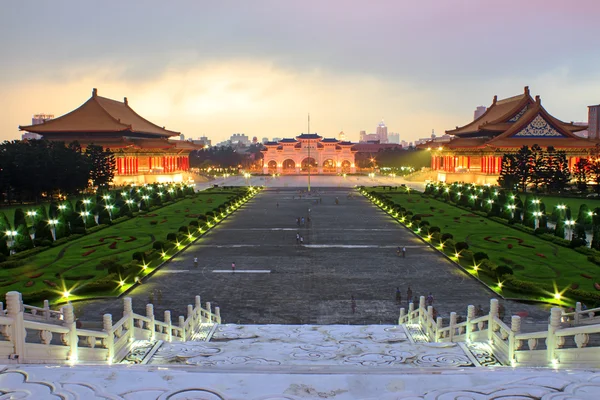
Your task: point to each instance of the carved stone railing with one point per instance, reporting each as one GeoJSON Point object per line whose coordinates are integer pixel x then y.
{"type": "Point", "coordinates": [581, 316]}
{"type": "Point", "coordinates": [60, 341]}
{"type": "Point", "coordinates": [557, 346]}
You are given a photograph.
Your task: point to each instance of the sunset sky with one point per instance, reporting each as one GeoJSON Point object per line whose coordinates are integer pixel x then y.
{"type": "Point", "coordinates": [216, 68]}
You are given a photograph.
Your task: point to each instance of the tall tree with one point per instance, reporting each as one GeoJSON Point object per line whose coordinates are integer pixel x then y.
{"type": "Point", "coordinates": [538, 166]}
{"type": "Point", "coordinates": [102, 162]}
{"type": "Point", "coordinates": [523, 162]}
{"type": "Point", "coordinates": [581, 173]}
{"type": "Point", "coordinates": [509, 172]}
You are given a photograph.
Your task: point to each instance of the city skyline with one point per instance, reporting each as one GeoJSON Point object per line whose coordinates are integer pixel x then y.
{"type": "Point", "coordinates": [217, 69]}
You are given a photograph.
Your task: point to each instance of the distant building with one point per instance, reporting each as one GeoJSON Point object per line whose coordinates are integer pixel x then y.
{"type": "Point", "coordinates": [394, 138]}
{"type": "Point", "coordinates": [342, 136]}
{"type": "Point", "coordinates": [276, 139]}
{"type": "Point", "coordinates": [30, 136]}
{"type": "Point", "coordinates": [382, 132]}
{"type": "Point", "coordinates": [370, 138]}
{"type": "Point", "coordinates": [265, 140]}
{"type": "Point", "coordinates": [593, 122]}
{"type": "Point", "coordinates": [41, 118]}
{"type": "Point", "coordinates": [361, 136]}
{"type": "Point", "coordinates": [479, 111]}
{"type": "Point", "coordinates": [240, 138]}
{"type": "Point", "coordinates": [254, 140]}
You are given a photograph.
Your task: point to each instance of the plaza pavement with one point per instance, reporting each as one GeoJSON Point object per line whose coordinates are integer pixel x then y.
{"type": "Point", "coordinates": [349, 250]}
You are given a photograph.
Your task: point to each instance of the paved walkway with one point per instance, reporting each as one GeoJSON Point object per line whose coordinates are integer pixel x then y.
{"type": "Point", "coordinates": [349, 250]}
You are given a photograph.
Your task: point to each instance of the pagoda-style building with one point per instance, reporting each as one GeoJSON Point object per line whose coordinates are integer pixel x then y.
{"type": "Point", "coordinates": [475, 153]}
{"type": "Point", "coordinates": [309, 151]}
{"type": "Point", "coordinates": [142, 150]}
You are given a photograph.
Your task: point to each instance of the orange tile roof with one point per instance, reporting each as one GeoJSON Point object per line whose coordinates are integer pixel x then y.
{"type": "Point", "coordinates": [499, 111]}
{"type": "Point", "coordinates": [100, 114]}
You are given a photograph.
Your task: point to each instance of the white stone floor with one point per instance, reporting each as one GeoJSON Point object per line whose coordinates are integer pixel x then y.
{"type": "Point", "coordinates": [143, 382]}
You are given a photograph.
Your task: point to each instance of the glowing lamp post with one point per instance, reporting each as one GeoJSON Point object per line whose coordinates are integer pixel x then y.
{"type": "Point", "coordinates": [570, 224]}
{"type": "Point", "coordinates": [53, 223]}
{"type": "Point", "coordinates": [109, 208]}
{"type": "Point", "coordinates": [537, 215]}
{"type": "Point", "coordinates": [32, 214]}
{"type": "Point", "coordinates": [84, 215]}
{"type": "Point", "coordinates": [12, 235]}
{"type": "Point", "coordinates": [512, 208]}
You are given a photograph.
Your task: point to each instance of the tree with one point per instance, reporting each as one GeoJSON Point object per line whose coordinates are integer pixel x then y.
{"type": "Point", "coordinates": [102, 164]}
{"type": "Point", "coordinates": [581, 173]}
{"type": "Point", "coordinates": [583, 216]}
{"type": "Point", "coordinates": [538, 166]}
{"type": "Point", "coordinates": [557, 175]}
{"type": "Point", "coordinates": [523, 164]}
{"type": "Point", "coordinates": [509, 172]}
{"type": "Point", "coordinates": [596, 229]}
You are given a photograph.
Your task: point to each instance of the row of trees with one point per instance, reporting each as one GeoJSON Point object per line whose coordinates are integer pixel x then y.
{"type": "Point", "coordinates": [545, 170]}
{"type": "Point", "coordinates": [41, 225]}
{"type": "Point", "coordinates": [31, 169]}
{"type": "Point", "coordinates": [226, 156]}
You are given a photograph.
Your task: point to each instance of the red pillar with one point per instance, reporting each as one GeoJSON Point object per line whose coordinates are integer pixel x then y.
{"type": "Point", "coordinates": [484, 164]}
{"type": "Point", "coordinates": [468, 162]}
{"type": "Point", "coordinates": [149, 163]}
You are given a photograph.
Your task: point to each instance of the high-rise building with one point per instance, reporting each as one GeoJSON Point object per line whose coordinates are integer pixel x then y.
{"type": "Point", "coordinates": [394, 138]}
{"type": "Point", "coordinates": [361, 136]}
{"type": "Point", "coordinates": [382, 132]}
{"type": "Point", "coordinates": [479, 112]}
{"type": "Point", "coordinates": [265, 140]}
{"type": "Point", "coordinates": [593, 122]}
{"type": "Point", "coordinates": [240, 138]}
{"type": "Point", "coordinates": [41, 118]}
{"type": "Point", "coordinates": [342, 136]}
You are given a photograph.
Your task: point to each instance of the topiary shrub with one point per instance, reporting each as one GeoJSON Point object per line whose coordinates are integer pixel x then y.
{"type": "Point", "coordinates": [184, 229]}
{"type": "Point", "coordinates": [461, 246]}
{"type": "Point", "coordinates": [158, 245]}
{"type": "Point", "coordinates": [446, 236]}
{"type": "Point", "coordinates": [171, 237]}
{"type": "Point", "coordinates": [480, 256]}
{"type": "Point", "coordinates": [434, 229]}
{"type": "Point", "coordinates": [194, 223]}
{"type": "Point", "coordinates": [138, 256]}
{"type": "Point", "coordinates": [502, 270]}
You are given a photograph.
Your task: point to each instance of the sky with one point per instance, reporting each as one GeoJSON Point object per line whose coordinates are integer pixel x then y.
{"type": "Point", "coordinates": [258, 67]}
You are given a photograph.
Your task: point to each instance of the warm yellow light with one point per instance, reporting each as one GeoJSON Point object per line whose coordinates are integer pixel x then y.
{"type": "Point", "coordinates": [456, 255]}
{"type": "Point", "coordinates": [66, 294]}
{"type": "Point", "coordinates": [144, 266]}
{"type": "Point", "coordinates": [163, 254]}
{"type": "Point", "coordinates": [557, 296]}
{"type": "Point", "coordinates": [121, 283]}
{"type": "Point", "coordinates": [499, 285]}
{"type": "Point", "coordinates": [475, 268]}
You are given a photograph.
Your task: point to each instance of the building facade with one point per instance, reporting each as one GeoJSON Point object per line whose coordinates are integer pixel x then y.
{"type": "Point", "coordinates": [474, 153]}
{"type": "Point", "coordinates": [309, 152]}
{"type": "Point", "coordinates": [142, 150]}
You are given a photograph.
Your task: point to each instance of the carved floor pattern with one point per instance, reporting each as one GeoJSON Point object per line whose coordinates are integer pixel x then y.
{"type": "Point", "coordinates": [145, 382]}
{"type": "Point", "coordinates": [308, 345]}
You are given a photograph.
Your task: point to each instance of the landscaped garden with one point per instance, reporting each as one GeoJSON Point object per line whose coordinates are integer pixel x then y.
{"type": "Point", "coordinates": [514, 262]}
{"type": "Point", "coordinates": [113, 256]}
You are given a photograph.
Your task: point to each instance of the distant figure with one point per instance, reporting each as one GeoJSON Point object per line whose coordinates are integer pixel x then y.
{"type": "Point", "coordinates": [404, 252]}
{"type": "Point", "coordinates": [429, 299]}
{"type": "Point", "coordinates": [301, 240]}
{"type": "Point", "coordinates": [302, 223]}
{"type": "Point", "coordinates": [398, 296]}
{"type": "Point", "coordinates": [297, 237]}
{"type": "Point", "coordinates": [298, 221]}
{"type": "Point", "coordinates": [409, 294]}
{"type": "Point", "coordinates": [277, 205]}
{"type": "Point", "coordinates": [501, 311]}
{"type": "Point", "coordinates": [233, 267]}
{"type": "Point", "coordinates": [353, 304]}
{"type": "Point", "coordinates": [196, 262]}
{"type": "Point", "coordinates": [337, 201]}
{"type": "Point", "coordinates": [479, 311]}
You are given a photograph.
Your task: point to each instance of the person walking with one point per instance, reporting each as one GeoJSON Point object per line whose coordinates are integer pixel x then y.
{"type": "Point", "coordinates": [297, 237]}
{"type": "Point", "coordinates": [302, 221]}
{"type": "Point", "coordinates": [233, 267]}
{"type": "Point", "coordinates": [429, 299]}
{"type": "Point", "coordinates": [409, 294]}
{"type": "Point", "coordinates": [403, 252]}
{"type": "Point", "coordinates": [398, 296]}
{"type": "Point", "coordinates": [301, 240]}
{"type": "Point", "coordinates": [195, 262]}
{"type": "Point", "coordinates": [353, 304]}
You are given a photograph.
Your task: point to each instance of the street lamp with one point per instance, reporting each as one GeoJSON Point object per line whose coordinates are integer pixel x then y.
{"type": "Point", "coordinates": [537, 215]}
{"type": "Point", "coordinates": [53, 223]}
{"type": "Point", "coordinates": [512, 208]}
{"type": "Point", "coordinates": [109, 208]}
{"type": "Point", "coordinates": [11, 240]}
{"type": "Point", "coordinates": [84, 215]}
{"type": "Point", "coordinates": [570, 223]}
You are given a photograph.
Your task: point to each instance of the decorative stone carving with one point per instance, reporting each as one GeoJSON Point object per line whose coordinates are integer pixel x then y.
{"type": "Point", "coordinates": [560, 341]}
{"type": "Point", "coordinates": [91, 341]}
{"type": "Point", "coordinates": [45, 337]}
{"type": "Point", "coordinates": [480, 325]}
{"type": "Point", "coordinates": [532, 343]}
{"type": "Point", "coordinates": [581, 340]}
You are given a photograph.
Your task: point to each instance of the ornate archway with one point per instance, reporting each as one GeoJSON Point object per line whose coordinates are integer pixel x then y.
{"type": "Point", "coordinates": [346, 166]}
{"type": "Point", "coordinates": [313, 165]}
{"type": "Point", "coordinates": [329, 166]}
{"type": "Point", "coordinates": [289, 166]}
{"type": "Point", "coordinates": [272, 166]}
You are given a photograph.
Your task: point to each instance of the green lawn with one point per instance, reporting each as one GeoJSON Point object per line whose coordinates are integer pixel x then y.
{"type": "Point", "coordinates": [532, 259]}
{"type": "Point", "coordinates": [78, 259]}
{"type": "Point", "coordinates": [573, 203]}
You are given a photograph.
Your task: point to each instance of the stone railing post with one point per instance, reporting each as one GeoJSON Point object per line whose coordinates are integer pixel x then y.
{"type": "Point", "coordinates": [72, 338]}
{"type": "Point", "coordinates": [452, 326]}
{"type": "Point", "coordinates": [430, 323]}
{"type": "Point", "coordinates": [1, 308]}
{"type": "Point", "coordinates": [198, 308]}
{"type": "Point", "coordinates": [553, 326]}
{"type": "Point", "coordinates": [470, 316]}
{"type": "Point", "coordinates": [46, 310]}
{"type": "Point", "coordinates": [401, 318]}
{"type": "Point", "coordinates": [182, 326]}
{"type": "Point", "coordinates": [422, 310]}
{"type": "Point", "coordinates": [191, 317]}
{"type": "Point", "coordinates": [411, 309]}
{"type": "Point", "coordinates": [151, 325]}
{"type": "Point", "coordinates": [577, 312]}
{"type": "Point", "coordinates": [14, 310]}
{"type": "Point", "coordinates": [128, 311]}
{"type": "Point", "coordinates": [169, 326]}
{"type": "Point", "coordinates": [438, 326]}
{"type": "Point", "coordinates": [515, 327]}
{"type": "Point", "coordinates": [218, 314]}
{"type": "Point", "coordinates": [109, 342]}
{"type": "Point", "coordinates": [493, 313]}
{"type": "Point", "coordinates": [208, 311]}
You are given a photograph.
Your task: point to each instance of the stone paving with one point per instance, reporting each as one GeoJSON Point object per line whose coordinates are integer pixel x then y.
{"type": "Point", "coordinates": [349, 250]}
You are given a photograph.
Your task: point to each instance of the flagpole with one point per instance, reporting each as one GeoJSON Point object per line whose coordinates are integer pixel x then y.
{"type": "Point", "coordinates": [309, 162]}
